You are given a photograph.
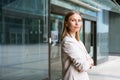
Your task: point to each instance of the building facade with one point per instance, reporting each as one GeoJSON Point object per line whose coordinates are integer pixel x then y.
{"type": "Point", "coordinates": [114, 45]}
{"type": "Point", "coordinates": [30, 39]}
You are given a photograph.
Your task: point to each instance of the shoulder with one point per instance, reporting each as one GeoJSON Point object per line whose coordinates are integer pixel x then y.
{"type": "Point", "coordinates": [67, 39]}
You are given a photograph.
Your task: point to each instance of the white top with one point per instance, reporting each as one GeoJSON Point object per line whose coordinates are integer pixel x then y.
{"type": "Point", "coordinates": [74, 59]}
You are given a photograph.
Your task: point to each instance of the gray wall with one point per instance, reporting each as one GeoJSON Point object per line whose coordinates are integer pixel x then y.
{"type": "Point", "coordinates": [114, 33]}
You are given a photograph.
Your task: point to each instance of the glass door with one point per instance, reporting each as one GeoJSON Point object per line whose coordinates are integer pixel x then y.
{"type": "Point", "coordinates": [55, 50]}
{"type": "Point", "coordinates": [88, 45]}
{"type": "Point", "coordinates": [90, 37]}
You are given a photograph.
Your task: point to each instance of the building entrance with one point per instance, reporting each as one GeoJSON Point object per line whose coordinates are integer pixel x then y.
{"type": "Point", "coordinates": [89, 37]}
{"type": "Point", "coordinates": [55, 50]}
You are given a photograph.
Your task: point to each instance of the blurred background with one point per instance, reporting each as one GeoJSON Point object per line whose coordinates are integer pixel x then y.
{"type": "Point", "coordinates": [30, 37]}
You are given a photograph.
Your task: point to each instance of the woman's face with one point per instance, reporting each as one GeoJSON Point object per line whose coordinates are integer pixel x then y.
{"type": "Point", "coordinates": [74, 23]}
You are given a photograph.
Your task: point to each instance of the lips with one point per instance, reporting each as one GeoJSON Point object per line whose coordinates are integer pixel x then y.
{"type": "Point", "coordinates": [76, 27]}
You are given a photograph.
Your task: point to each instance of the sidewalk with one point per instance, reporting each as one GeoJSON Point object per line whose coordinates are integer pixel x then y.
{"type": "Point", "coordinates": [109, 70]}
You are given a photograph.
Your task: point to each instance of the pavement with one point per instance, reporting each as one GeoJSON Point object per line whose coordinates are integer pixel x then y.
{"type": "Point", "coordinates": [109, 70]}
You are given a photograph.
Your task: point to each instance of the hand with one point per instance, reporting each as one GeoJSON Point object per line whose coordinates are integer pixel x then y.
{"type": "Point", "coordinates": [91, 62]}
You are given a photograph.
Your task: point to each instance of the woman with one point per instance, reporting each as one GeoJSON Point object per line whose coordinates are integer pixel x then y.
{"type": "Point", "coordinates": [75, 59]}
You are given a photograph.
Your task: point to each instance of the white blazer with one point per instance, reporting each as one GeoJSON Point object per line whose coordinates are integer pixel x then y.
{"type": "Point", "coordinates": [74, 59]}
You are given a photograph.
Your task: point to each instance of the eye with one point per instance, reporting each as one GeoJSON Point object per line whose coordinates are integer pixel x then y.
{"type": "Point", "coordinates": [72, 19]}
{"type": "Point", "coordinates": [79, 20]}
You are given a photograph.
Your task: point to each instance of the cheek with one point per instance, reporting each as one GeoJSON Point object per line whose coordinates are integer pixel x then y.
{"type": "Point", "coordinates": [71, 25]}
{"type": "Point", "coordinates": [80, 23]}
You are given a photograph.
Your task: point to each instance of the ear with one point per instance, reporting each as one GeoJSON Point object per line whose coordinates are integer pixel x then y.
{"type": "Point", "coordinates": [66, 24]}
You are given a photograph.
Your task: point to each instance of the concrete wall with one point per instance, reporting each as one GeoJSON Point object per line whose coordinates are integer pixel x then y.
{"type": "Point", "coordinates": [114, 33]}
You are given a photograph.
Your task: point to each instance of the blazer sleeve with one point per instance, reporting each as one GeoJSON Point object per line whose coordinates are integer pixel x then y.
{"type": "Point", "coordinates": [70, 48]}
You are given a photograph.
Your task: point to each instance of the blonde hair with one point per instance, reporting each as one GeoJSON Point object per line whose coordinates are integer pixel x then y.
{"type": "Point", "coordinates": [65, 28]}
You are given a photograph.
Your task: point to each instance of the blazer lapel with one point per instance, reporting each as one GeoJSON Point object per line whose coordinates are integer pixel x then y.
{"type": "Point", "coordinates": [79, 44]}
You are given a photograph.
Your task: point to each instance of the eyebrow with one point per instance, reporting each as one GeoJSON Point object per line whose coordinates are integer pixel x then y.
{"type": "Point", "coordinates": [75, 18]}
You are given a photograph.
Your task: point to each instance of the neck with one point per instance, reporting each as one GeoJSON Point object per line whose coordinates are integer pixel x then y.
{"type": "Point", "coordinates": [72, 34]}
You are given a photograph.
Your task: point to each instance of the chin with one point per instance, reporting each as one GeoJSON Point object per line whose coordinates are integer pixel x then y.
{"type": "Point", "coordinates": [77, 30]}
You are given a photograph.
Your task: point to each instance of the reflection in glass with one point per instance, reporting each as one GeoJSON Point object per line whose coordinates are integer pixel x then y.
{"type": "Point", "coordinates": [23, 40]}
{"type": "Point", "coordinates": [88, 37]}
{"type": "Point", "coordinates": [102, 36]}
{"type": "Point", "coordinates": [56, 29]}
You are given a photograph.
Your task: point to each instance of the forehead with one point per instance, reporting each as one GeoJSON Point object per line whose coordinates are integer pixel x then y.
{"type": "Point", "coordinates": [76, 16]}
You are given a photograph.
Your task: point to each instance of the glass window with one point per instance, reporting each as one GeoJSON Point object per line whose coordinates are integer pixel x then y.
{"type": "Point", "coordinates": [102, 35]}
{"type": "Point", "coordinates": [88, 39]}
{"type": "Point", "coordinates": [23, 39]}
{"type": "Point", "coordinates": [55, 57]}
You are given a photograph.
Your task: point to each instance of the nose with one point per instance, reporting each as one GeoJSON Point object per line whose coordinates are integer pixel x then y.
{"type": "Point", "coordinates": [77, 22]}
